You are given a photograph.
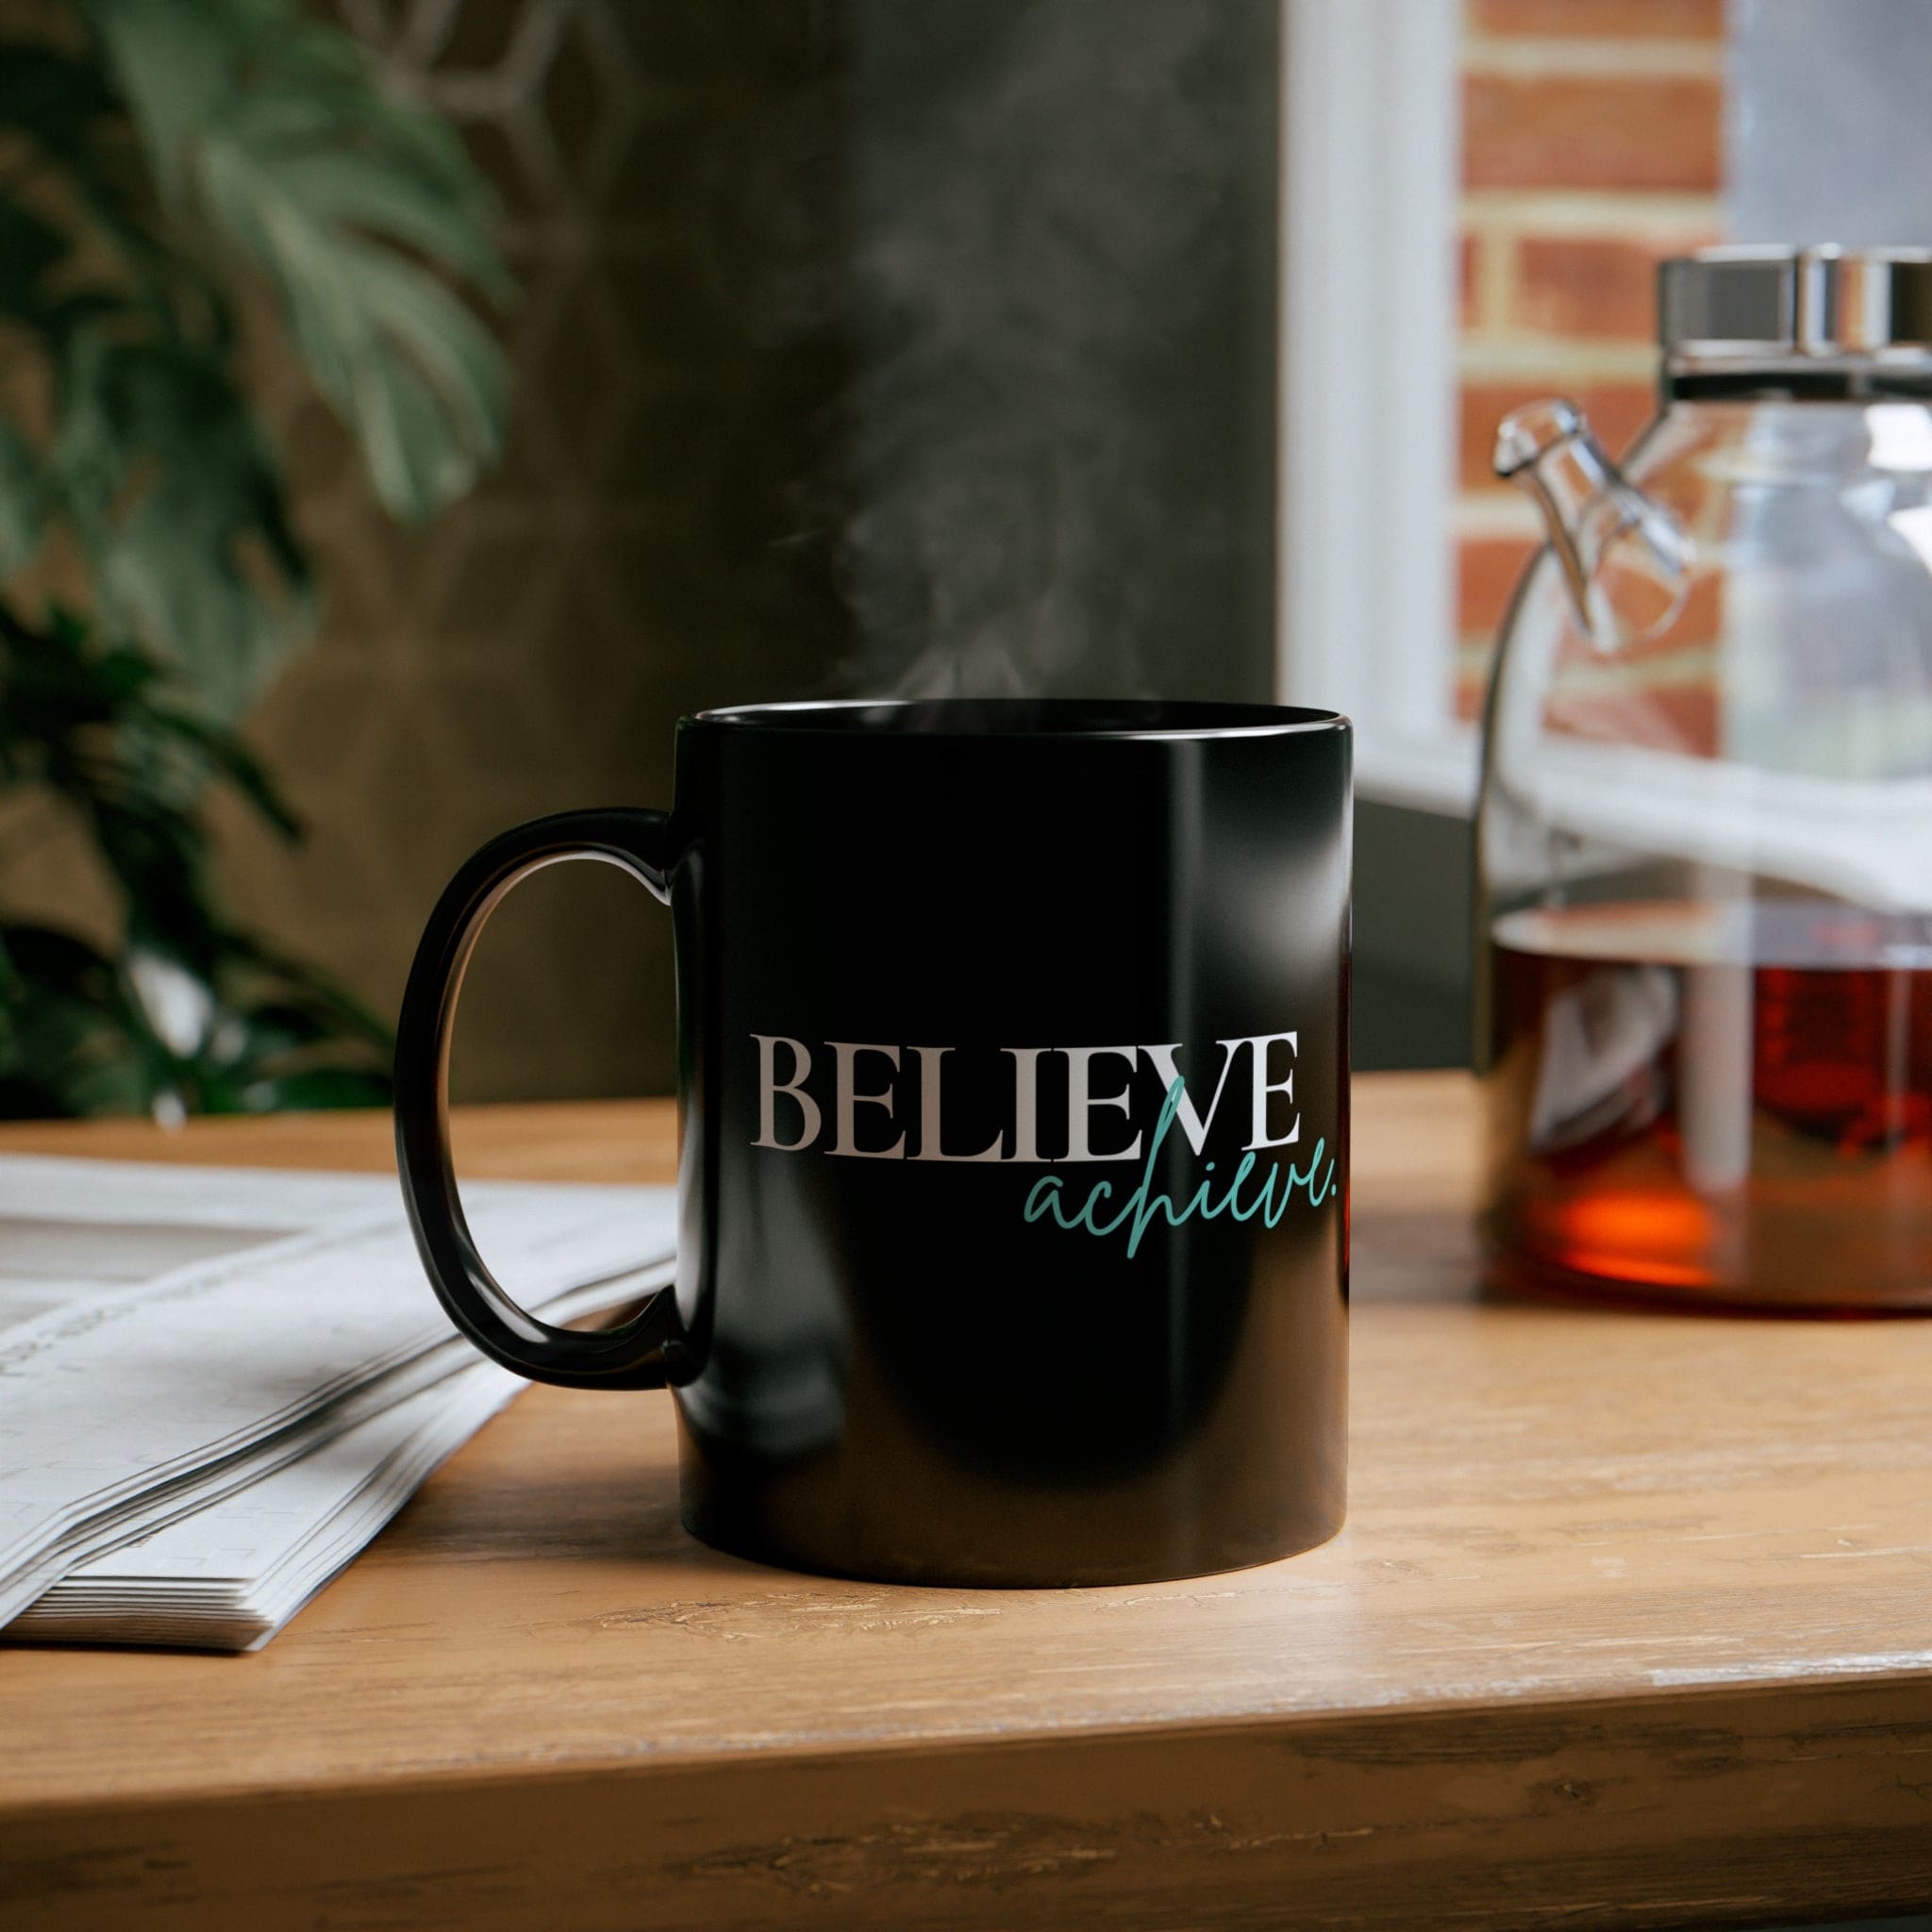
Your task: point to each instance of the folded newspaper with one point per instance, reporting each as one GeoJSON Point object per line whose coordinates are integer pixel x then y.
{"type": "Point", "coordinates": [216, 1385]}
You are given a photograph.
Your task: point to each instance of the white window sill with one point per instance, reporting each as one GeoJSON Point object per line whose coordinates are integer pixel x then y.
{"type": "Point", "coordinates": [1434, 772]}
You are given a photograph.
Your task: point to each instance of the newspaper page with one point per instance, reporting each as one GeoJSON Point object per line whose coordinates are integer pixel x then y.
{"type": "Point", "coordinates": [171, 1335]}
{"type": "Point", "coordinates": [228, 1574]}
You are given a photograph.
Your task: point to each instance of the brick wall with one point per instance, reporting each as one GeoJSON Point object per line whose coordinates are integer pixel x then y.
{"type": "Point", "coordinates": [1593, 144]}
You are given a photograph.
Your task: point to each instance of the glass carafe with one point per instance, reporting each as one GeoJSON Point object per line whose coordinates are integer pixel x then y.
{"type": "Point", "coordinates": [1705, 835]}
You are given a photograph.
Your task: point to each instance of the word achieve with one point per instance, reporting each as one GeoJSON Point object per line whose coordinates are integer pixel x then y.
{"type": "Point", "coordinates": [1137, 1212]}
{"type": "Point", "coordinates": [1021, 1087]}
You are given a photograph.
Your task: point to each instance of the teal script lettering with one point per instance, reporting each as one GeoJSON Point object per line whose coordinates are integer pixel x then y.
{"type": "Point", "coordinates": [1137, 1212]}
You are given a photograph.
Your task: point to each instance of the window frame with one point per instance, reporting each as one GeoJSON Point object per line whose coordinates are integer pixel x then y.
{"type": "Point", "coordinates": [1370, 188]}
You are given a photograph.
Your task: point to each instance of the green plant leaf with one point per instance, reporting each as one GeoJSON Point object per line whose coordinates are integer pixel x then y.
{"type": "Point", "coordinates": [179, 506]}
{"type": "Point", "coordinates": [287, 978]}
{"type": "Point", "coordinates": [150, 156]}
{"type": "Point", "coordinates": [231, 759]}
{"type": "Point", "coordinates": [68, 1048]}
{"type": "Point", "coordinates": [355, 203]}
{"type": "Point", "coordinates": [367, 192]}
{"type": "Point", "coordinates": [415, 376]}
{"type": "Point", "coordinates": [21, 501]}
{"type": "Point", "coordinates": [316, 1086]}
{"type": "Point", "coordinates": [52, 97]}
{"type": "Point", "coordinates": [171, 61]}
{"type": "Point", "coordinates": [29, 248]}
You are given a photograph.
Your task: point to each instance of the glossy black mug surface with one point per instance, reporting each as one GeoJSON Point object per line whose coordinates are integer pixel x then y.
{"type": "Point", "coordinates": [1013, 1173]}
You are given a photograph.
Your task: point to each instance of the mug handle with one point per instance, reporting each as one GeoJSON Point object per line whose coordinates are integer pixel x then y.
{"type": "Point", "coordinates": [628, 1356]}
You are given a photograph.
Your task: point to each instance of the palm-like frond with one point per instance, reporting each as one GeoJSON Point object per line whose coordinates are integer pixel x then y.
{"type": "Point", "coordinates": [150, 158]}
{"type": "Point", "coordinates": [275, 135]}
{"type": "Point", "coordinates": [179, 142]}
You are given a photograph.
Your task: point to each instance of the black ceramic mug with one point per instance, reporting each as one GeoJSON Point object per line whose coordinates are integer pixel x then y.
{"type": "Point", "coordinates": [1013, 1177]}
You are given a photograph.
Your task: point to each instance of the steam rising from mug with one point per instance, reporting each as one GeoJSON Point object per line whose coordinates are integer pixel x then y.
{"type": "Point", "coordinates": [1058, 427]}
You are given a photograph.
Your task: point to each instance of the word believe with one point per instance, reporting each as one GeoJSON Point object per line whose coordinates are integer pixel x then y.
{"type": "Point", "coordinates": [1099, 1083]}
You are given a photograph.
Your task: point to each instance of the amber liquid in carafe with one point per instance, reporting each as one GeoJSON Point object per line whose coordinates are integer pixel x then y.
{"type": "Point", "coordinates": [1712, 1104]}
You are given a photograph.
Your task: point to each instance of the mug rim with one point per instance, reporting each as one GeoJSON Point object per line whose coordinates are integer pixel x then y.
{"type": "Point", "coordinates": [1010, 718]}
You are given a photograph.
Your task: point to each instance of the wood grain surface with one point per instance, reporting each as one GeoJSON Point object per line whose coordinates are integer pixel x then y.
{"type": "Point", "coordinates": [1631, 1626]}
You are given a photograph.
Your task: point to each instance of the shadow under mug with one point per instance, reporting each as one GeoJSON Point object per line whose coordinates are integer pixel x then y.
{"type": "Point", "coordinates": [1013, 1169]}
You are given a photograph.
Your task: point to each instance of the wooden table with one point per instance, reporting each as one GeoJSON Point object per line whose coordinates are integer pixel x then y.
{"type": "Point", "coordinates": [1631, 1626]}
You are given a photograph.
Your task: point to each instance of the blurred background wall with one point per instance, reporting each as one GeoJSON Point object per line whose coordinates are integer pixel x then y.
{"type": "Point", "coordinates": [861, 347]}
